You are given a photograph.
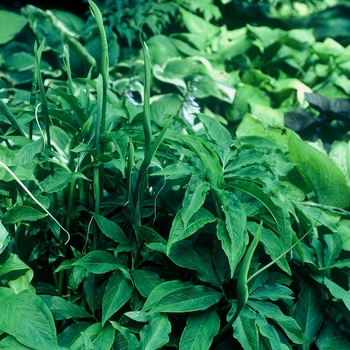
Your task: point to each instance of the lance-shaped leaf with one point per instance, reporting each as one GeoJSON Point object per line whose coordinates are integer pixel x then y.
{"type": "Point", "coordinates": [26, 317]}
{"type": "Point", "coordinates": [232, 232]}
{"type": "Point", "coordinates": [338, 292]}
{"type": "Point", "coordinates": [155, 334]}
{"type": "Point", "coordinates": [98, 262]}
{"type": "Point", "coordinates": [118, 292]}
{"type": "Point", "coordinates": [197, 221]}
{"type": "Point", "coordinates": [201, 327]}
{"type": "Point", "coordinates": [194, 198]}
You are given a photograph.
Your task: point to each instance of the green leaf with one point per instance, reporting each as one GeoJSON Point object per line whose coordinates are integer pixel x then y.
{"type": "Point", "coordinates": [268, 333]}
{"type": "Point", "coordinates": [111, 229]}
{"type": "Point", "coordinates": [287, 323]}
{"type": "Point", "coordinates": [245, 329]}
{"type": "Point", "coordinates": [4, 237]}
{"type": "Point", "coordinates": [232, 232]}
{"type": "Point", "coordinates": [26, 317]}
{"type": "Point", "coordinates": [145, 281]}
{"type": "Point", "coordinates": [59, 180]}
{"type": "Point", "coordinates": [10, 25]}
{"type": "Point", "coordinates": [118, 292]}
{"type": "Point", "coordinates": [330, 337]}
{"type": "Point", "coordinates": [12, 264]}
{"type": "Point", "coordinates": [320, 172]}
{"type": "Point", "coordinates": [22, 213]}
{"type": "Point", "coordinates": [156, 334]}
{"type": "Point", "coordinates": [216, 131]}
{"type": "Point", "coordinates": [11, 343]}
{"type": "Point", "coordinates": [272, 291]}
{"type": "Point", "coordinates": [62, 309]}
{"type": "Point", "coordinates": [308, 312]}
{"type": "Point", "coordinates": [194, 198]}
{"type": "Point", "coordinates": [105, 339]}
{"type": "Point", "coordinates": [98, 262]}
{"type": "Point", "coordinates": [334, 247]}
{"type": "Point", "coordinates": [183, 254]}
{"type": "Point", "coordinates": [268, 36]}
{"type": "Point", "coordinates": [175, 296]}
{"type": "Point", "coordinates": [338, 292]}
{"type": "Point", "coordinates": [201, 327]}
{"type": "Point", "coordinates": [83, 340]}
{"type": "Point", "coordinates": [197, 221]}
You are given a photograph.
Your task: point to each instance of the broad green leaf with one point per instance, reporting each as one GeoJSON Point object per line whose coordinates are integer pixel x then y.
{"type": "Point", "coordinates": [333, 248]}
{"type": "Point", "coordinates": [287, 323]}
{"type": "Point", "coordinates": [162, 290]}
{"type": "Point", "coordinates": [111, 229]}
{"type": "Point", "coordinates": [196, 24]}
{"type": "Point", "coordinates": [26, 317]}
{"type": "Point", "coordinates": [178, 232]}
{"type": "Point", "coordinates": [118, 292]}
{"type": "Point", "coordinates": [21, 280]}
{"type": "Point", "coordinates": [272, 291]}
{"type": "Point", "coordinates": [12, 264]}
{"type": "Point", "coordinates": [340, 154]}
{"type": "Point", "coordinates": [188, 299]}
{"type": "Point", "coordinates": [10, 25]}
{"type": "Point", "coordinates": [231, 232]}
{"type": "Point", "coordinates": [155, 334]}
{"type": "Point", "coordinates": [62, 309]}
{"type": "Point", "coordinates": [183, 254]}
{"type": "Point", "coordinates": [308, 312]}
{"type": "Point", "coordinates": [245, 329]}
{"type": "Point", "coordinates": [201, 327]}
{"type": "Point", "coordinates": [338, 292]}
{"type": "Point", "coordinates": [59, 180]}
{"type": "Point", "coordinates": [11, 343]}
{"type": "Point", "coordinates": [147, 234]}
{"type": "Point", "coordinates": [216, 131]}
{"type": "Point", "coordinates": [24, 156]}
{"type": "Point", "coordinates": [21, 214]}
{"type": "Point", "coordinates": [145, 281]}
{"type": "Point", "coordinates": [194, 198]}
{"type": "Point", "coordinates": [105, 339]}
{"type": "Point", "coordinates": [320, 172]}
{"type": "Point", "coordinates": [98, 262]}
{"type": "Point", "coordinates": [329, 48]}
{"type": "Point", "coordinates": [268, 36]}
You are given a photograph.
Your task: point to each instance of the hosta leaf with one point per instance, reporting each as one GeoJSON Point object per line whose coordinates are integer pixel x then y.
{"type": "Point", "coordinates": [62, 309]}
{"type": "Point", "coordinates": [246, 330]}
{"type": "Point", "coordinates": [287, 323]}
{"type": "Point", "coordinates": [59, 180]}
{"type": "Point", "coordinates": [194, 198]}
{"type": "Point", "coordinates": [183, 254]}
{"type": "Point", "coordinates": [26, 317]}
{"type": "Point", "coordinates": [10, 25]}
{"type": "Point", "coordinates": [272, 291]}
{"type": "Point", "coordinates": [22, 213]}
{"type": "Point", "coordinates": [111, 229]}
{"type": "Point", "coordinates": [308, 313]}
{"type": "Point", "coordinates": [201, 327]}
{"type": "Point", "coordinates": [266, 35]}
{"type": "Point", "coordinates": [321, 172]}
{"type": "Point", "coordinates": [145, 281]}
{"type": "Point", "coordinates": [232, 233]}
{"type": "Point", "coordinates": [118, 292]}
{"type": "Point", "coordinates": [156, 334]}
{"type": "Point", "coordinates": [4, 237]}
{"type": "Point", "coordinates": [338, 292]}
{"type": "Point", "coordinates": [98, 262]}
{"type": "Point", "coordinates": [197, 221]}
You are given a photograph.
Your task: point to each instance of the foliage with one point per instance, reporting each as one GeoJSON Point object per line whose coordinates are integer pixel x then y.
{"type": "Point", "coordinates": [146, 225]}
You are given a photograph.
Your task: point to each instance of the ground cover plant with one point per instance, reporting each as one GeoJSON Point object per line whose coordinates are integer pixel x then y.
{"type": "Point", "coordinates": [144, 207]}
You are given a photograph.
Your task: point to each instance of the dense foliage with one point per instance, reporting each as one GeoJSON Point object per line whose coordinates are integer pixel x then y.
{"type": "Point", "coordinates": [162, 197]}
